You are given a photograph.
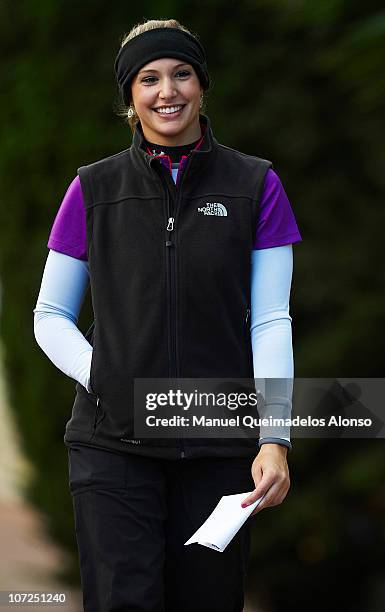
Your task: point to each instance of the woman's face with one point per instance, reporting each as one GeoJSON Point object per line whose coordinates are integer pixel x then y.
{"type": "Point", "coordinates": [162, 85]}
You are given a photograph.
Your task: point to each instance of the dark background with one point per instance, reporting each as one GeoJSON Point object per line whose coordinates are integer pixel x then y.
{"type": "Point", "coordinates": [300, 83]}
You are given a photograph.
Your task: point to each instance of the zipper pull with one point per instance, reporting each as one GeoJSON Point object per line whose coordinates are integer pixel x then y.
{"type": "Point", "coordinates": [170, 225]}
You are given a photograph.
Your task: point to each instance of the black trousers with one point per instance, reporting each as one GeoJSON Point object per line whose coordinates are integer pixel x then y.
{"type": "Point", "coordinates": [132, 517]}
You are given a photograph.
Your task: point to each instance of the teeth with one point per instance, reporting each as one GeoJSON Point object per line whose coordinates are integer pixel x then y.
{"type": "Point", "coordinates": [168, 109]}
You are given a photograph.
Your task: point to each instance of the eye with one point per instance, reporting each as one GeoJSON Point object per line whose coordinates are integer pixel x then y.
{"type": "Point", "coordinates": [183, 73]}
{"type": "Point", "coordinates": [149, 79]}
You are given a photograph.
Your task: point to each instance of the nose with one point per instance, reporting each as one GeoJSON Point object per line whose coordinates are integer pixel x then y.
{"type": "Point", "coordinates": [167, 89]}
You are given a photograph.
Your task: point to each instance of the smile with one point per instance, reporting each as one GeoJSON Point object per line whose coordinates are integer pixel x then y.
{"type": "Point", "coordinates": [169, 110]}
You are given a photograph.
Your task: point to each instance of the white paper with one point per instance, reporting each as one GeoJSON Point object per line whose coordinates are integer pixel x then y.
{"type": "Point", "coordinates": [224, 522]}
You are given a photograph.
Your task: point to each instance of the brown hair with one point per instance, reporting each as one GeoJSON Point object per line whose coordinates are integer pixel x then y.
{"type": "Point", "coordinates": [150, 24]}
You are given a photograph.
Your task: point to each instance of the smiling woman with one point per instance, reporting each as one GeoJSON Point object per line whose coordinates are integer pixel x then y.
{"type": "Point", "coordinates": [186, 244]}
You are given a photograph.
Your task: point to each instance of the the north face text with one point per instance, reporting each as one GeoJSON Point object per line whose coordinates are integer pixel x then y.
{"type": "Point", "coordinates": [214, 208]}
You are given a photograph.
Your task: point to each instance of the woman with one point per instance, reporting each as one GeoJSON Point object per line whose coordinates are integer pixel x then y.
{"type": "Point", "coordinates": [187, 248]}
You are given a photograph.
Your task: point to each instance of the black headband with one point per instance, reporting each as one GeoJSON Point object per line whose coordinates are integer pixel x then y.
{"type": "Point", "coordinates": [155, 44]}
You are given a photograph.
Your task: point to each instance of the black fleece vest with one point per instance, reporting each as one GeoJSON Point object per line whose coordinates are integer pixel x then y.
{"type": "Point", "coordinates": [170, 284]}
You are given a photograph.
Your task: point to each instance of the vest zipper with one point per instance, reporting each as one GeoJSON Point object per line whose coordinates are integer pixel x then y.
{"type": "Point", "coordinates": [172, 301]}
{"type": "Point", "coordinates": [174, 365]}
{"type": "Point", "coordinates": [172, 295]}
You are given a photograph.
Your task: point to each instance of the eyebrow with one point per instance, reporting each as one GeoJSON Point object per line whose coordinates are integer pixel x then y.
{"type": "Point", "coordinates": [153, 69]}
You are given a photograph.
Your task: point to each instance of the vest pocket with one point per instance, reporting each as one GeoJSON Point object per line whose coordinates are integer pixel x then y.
{"type": "Point", "coordinates": [99, 416]}
{"type": "Point", "coordinates": [90, 332]}
{"type": "Point", "coordinates": [90, 336]}
{"type": "Point", "coordinates": [249, 368]}
{"type": "Point", "coordinates": [92, 384]}
{"type": "Point", "coordinates": [247, 322]}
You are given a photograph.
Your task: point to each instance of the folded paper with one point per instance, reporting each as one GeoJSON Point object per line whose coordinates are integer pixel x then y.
{"type": "Point", "coordinates": [224, 522]}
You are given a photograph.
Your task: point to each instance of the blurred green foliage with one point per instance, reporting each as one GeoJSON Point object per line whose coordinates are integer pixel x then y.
{"type": "Point", "coordinates": [300, 83]}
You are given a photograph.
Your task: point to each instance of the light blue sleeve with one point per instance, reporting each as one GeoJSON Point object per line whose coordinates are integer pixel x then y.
{"type": "Point", "coordinates": [271, 336]}
{"type": "Point", "coordinates": [63, 287]}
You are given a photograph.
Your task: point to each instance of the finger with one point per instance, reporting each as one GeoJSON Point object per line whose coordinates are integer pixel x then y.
{"type": "Point", "coordinates": [261, 488]}
{"type": "Point", "coordinates": [278, 479]}
{"type": "Point", "coordinates": [254, 496]}
{"type": "Point", "coordinates": [257, 477]}
{"type": "Point", "coordinates": [269, 499]}
{"type": "Point", "coordinates": [274, 497]}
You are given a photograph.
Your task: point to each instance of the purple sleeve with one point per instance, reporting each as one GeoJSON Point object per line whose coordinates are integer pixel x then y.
{"type": "Point", "coordinates": [276, 224]}
{"type": "Point", "coordinates": [68, 233]}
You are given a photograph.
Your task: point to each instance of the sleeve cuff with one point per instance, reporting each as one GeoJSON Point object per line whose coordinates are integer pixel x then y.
{"type": "Point", "coordinates": [280, 441]}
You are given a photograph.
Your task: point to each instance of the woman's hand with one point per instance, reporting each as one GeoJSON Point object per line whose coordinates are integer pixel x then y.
{"type": "Point", "coordinates": [271, 476]}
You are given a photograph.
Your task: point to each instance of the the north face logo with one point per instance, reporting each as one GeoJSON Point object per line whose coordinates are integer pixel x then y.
{"type": "Point", "coordinates": [214, 208]}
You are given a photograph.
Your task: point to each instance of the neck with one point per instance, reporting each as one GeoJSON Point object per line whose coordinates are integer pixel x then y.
{"type": "Point", "coordinates": [183, 146]}
{"type": "Point", "coordinates": [176, 140]}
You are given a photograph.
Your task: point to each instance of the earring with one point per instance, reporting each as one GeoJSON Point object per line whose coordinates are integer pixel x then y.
{"type": "Point", "coordinates": [131, 112]}
{"type": "Point", "coordinates": [201, 101]}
